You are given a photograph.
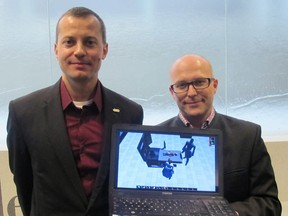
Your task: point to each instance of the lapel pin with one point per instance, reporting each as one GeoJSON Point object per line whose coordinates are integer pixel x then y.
{"type": "Point", "coordinates": [116, 110]}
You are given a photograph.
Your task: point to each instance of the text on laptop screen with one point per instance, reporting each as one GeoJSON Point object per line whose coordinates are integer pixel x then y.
{"type": "Point", "coordinates": [167, 161]}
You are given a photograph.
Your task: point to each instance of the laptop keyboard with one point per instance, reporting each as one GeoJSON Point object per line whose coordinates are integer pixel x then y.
{"type": "Point", "coordinates": [171, 207]}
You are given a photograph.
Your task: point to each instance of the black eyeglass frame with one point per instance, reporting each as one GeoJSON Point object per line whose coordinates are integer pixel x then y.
{"type": "Point", "coordinates": [193, 84]}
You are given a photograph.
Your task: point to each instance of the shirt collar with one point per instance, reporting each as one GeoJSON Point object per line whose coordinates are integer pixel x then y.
{"type": "Point", "coordinates": [66, 99]}
{"type": "Point", "coordinates": [205, 124]}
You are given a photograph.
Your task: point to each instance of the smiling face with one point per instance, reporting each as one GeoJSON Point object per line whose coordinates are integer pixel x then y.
{"type": "Point", "coordinates": [80, 49]}
{"type": "Point", "coordinates": [195, 105]}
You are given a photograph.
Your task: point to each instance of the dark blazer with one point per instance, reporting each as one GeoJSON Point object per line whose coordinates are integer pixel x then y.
{"type": "Point", "coordinates": [249, 181]}
{"type": "Point", "coordinates": [41, 159]}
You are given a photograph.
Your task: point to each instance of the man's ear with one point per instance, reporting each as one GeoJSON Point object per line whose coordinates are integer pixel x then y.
{"type": "Point", "coordinates": [171, 91]}
{"type": "Point", "coordinates": [56, 50]}
{"type": "Point", "coordinates": [105, 51]}
{"type": "Point", "coordinates": [215, 85]}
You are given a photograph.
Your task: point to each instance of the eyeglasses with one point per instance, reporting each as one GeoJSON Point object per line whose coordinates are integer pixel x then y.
{"type": "Point", "coordinates": [198, 84]}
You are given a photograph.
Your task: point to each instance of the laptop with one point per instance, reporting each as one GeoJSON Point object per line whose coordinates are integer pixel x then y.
{"type": "Point", "coordinates": [157, 170]}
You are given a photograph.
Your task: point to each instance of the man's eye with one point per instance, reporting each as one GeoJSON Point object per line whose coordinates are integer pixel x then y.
{"type": "Point", "coordinates": [91, 43]}
{"type": "Point", "coordinates": [68, 42]}
{"type": "Point", "coordinates": [181, 85]}
{"type": "Point", "coordinates": [199, 82]}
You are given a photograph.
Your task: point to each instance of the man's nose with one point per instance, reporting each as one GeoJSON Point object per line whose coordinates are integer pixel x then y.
{"type": "Point", "coordinates": [79, 50]}
{"type": "Point", "coordinates": [191, 90]}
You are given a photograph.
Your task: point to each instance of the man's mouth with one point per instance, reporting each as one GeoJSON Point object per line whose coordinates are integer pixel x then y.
{"type": "Point", "coordinates": [80, 63]}
{"type": "Point", "coordinates": [192, 103]}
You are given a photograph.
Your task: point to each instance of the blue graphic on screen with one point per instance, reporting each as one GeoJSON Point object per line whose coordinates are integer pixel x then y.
{"type": "Point", "coordinates": [166, 162]}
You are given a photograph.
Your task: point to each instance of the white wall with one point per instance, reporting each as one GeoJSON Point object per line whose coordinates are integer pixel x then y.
{"type": "Point", "coordinates": [246, 42]}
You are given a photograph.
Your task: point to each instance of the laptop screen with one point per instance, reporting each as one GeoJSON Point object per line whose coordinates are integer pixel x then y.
{"type": "Point", "coordinates": [165, 159]}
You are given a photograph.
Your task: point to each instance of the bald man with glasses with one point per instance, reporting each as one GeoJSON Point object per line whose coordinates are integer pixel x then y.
{"type": "Point", "coordinates": [249, 181]}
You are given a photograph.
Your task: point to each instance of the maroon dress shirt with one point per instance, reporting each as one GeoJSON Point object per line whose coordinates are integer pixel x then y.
{"type": "Point", "coordinates": [85, 130]}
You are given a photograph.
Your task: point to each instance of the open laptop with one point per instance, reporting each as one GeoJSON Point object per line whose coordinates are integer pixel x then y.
{"type": "Point", "coordinates": [166, 171]}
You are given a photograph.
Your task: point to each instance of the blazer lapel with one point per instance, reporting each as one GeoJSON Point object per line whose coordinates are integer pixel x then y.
{"type": "Point", "coordinates": [111, 114]}
{"type": "Point", "coordinates": [59, 140]}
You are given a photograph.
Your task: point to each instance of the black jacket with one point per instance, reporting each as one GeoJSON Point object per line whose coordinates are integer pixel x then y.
{"type": "Point", "coordinates": [41, 159]}
{"type": "Point", "coordinates": [249, 181]}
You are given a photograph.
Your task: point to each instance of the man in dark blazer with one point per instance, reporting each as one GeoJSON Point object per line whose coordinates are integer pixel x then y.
{"type": "Point", "coordinates": [59, 137]}
{"type": "Point", "coordinates": [249, 182]}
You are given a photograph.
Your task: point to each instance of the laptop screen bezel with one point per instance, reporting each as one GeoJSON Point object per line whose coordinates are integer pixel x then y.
{"type": "Point", "coordinates": [170, 130]}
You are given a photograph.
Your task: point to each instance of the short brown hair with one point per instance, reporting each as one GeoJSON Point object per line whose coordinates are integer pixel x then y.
{"type": "Point", "coordinates": [83, 12]}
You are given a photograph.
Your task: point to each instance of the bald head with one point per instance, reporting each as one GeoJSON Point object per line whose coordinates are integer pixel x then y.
{"type": "Point", "coordinates": [191, 63]}
{"type": "Point", "coordinates": [194, 103]}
